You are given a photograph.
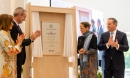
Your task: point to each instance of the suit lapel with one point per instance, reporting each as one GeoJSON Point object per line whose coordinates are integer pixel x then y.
{"type": "Point", "coordinates": [107, 36]}
{"type": "Point", "coordinates": [19, 30]}
{"type": "Point", "coordinates": [117, 35]}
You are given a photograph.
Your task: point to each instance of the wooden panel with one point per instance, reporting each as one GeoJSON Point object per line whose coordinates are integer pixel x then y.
{"type": "Point", "coordinates": [75, 63]}
{"type": "Point", "coordinates": [52, 9]}
{"type": "Point", "coordinates": [27, 65]}
{"type": "Point", "coordinates": [83, 9]}
{"type": "Point", "coordinates": [52, 66]}
{"type": "Point", "coordinates": [55, 17]}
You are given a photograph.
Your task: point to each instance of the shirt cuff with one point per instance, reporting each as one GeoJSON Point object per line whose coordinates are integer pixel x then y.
{"type": "Point", "coordinates": [117, 47]}
{"type": "Point", "coordinates": [107, 45]}
{"type": "Point", "coordinates": [31, 40]}
{"type": "Point", "coordinates": [18, 48]}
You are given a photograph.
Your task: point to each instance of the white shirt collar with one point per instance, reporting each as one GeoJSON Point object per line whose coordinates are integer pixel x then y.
{"type": "Point", "coordinates": [16, 23]}
{"type": "Point", "coordinates": [114, 32]}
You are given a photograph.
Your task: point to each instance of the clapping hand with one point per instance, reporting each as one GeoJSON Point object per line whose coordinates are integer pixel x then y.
{"type": "Point", "coordinates": [115, 44]}
{"type": "Point", "coordinates": [112, 43]}
{"type": "Point", "coordinates": [35, 35]}
{"type": "Point", "coordinates": [20, 39]}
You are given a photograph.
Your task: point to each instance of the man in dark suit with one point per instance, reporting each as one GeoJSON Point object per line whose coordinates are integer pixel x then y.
{"type": "Point", "coordinates": [114, 42]}
{"type": "Point", "coordinates": [19, 17]}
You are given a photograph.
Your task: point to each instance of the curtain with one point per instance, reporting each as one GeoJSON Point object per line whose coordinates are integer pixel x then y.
{"type": "Point", "coordinates": [78, 24]}
{"type": "Point", "coordinates": [37, 44]}
{"type": "Point", "coordinates": [68, 37]}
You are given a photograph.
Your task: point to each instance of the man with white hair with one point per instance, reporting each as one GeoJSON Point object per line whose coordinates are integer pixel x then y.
{"type": "Point", "coordinates": [19, 17]}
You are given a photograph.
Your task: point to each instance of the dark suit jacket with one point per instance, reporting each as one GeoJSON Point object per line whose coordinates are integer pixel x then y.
{"type": "Point", "coordinates": [116, 55]}
{"type": "Point", "coordinates": [93, 42]}
{"type": "Point", "coordinates": [21, 56]}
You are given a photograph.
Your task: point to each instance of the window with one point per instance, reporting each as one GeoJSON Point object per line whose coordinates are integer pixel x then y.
{"type": "Point", "coordinates": [127, 58]}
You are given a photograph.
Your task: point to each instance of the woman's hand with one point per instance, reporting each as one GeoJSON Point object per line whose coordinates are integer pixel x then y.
{"type": "Point", "coordinates": [82, 51]}
{"type": "Point", "coordinates": [20, 39]}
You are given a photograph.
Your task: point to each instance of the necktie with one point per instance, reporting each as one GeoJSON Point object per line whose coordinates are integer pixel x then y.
{"type": "Point", "coordinates": [112, 39]}
{"type": "Point", "coordinates": [19, 30]}
{"type": "Point", "coordinates": [18, 27]}
{"type": "Point", "coordinates": [112, 33]}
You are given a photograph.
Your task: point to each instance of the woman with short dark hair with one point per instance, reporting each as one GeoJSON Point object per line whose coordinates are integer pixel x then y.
{"type": "Point", "coordinates": [87, 48]}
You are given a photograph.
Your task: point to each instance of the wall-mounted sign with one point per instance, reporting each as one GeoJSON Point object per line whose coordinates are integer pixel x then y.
{"type": "Point", "coordinates": [51, 38]}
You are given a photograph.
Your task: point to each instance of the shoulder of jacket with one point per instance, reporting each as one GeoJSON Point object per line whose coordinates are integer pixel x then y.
{"type": "Point", "coordinates": [105, 33]}
{"type": "Point", "coordinates": [120, 32]}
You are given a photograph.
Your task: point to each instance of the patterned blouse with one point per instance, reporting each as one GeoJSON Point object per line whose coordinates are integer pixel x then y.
{"type": "Point", "coordinates": [8, 51]}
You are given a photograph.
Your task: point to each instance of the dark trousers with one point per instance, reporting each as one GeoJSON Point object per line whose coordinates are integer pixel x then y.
{"type": "Point", "coordinates": [78, 61]}
{"type": "Point", "coordinates": [111, 72]}
{"type": "Point", "coordinates": [19, 71]}
{"type": "Point", "coordinates": [100, 63]}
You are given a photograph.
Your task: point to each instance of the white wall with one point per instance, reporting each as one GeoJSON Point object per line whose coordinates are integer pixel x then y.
{"type": "Point", "coordinates": [118, 9]}
{"type": "Point", "coordinates": [40, 2]}
{"type": "Point", "coordinates": [14, 4]}
{"type": "Point", "coordinates": [61, 3]}
{"type": "Point", "coordinates": [5, 6]}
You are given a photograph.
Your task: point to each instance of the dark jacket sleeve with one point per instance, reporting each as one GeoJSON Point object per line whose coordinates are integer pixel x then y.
{"type": "Point", "coordinates": [93, 42]}
{"type": "Point", "coordinates": [93, 45]}
{"type": "Point", "coordinates": [80, 42]}
{"type": "Point", "coordinates": [124, 46]}
{"type": "Point", "coordinates": [26, 42]}
{"type": "Point", "coordinates": [14, 33]}
{"type": "Point", "coordinates": [102, 44]}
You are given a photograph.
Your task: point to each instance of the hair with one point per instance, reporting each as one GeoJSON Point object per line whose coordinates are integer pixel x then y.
{"type": "Point", "coordinates": [99, 21]}
{"type": "Point", "coordinates": [19, 10]}
{"type": "Point", "coordinates": [86, 24]}
{"type": "Point", "coordinates": [5, 21]}
{"type": "Point", "coordinates": [114, 20]}
{"type": "Point", "coordinates": [92, 21]}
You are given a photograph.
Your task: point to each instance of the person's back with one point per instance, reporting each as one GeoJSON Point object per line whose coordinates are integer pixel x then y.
{"type": "Point", "coordinates": [7, 62]}
{"type": "Point", "coordinates": [8, 49]}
